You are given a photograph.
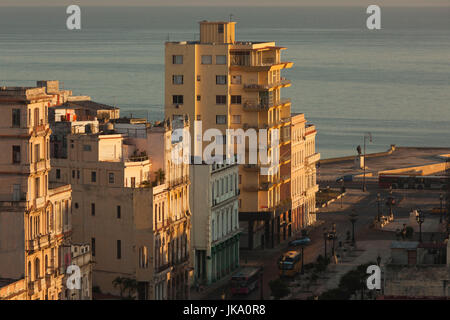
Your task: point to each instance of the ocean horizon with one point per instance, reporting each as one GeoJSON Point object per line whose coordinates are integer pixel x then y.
{"type": "Point", "coordinates": [346, 79]}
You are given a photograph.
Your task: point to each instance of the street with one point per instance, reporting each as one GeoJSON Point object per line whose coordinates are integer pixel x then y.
{"type": "Point", "coordinates": [364, 204]}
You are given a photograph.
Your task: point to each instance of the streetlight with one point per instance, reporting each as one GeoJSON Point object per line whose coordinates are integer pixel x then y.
{"type": "Point", "coordinates": [441, 197]}
{"type": "Point", "coordinates": [353, 218]}
{"type": "Point", "coordinates": [332, 236]}
{"type": "Point", "coordinates": [367, 135]}
{"type": "Point", "coordinates": [379, 207]}
{"type": "Point", "coordinates": [390, 203]}
{"type": "Point", "coordinates": [420, 219]}
{"type": "Point", "coordinates": [325, 238]}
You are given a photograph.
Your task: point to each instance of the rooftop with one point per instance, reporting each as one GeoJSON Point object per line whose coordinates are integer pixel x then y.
{"type": "Point", "coordinates": [86, 104]}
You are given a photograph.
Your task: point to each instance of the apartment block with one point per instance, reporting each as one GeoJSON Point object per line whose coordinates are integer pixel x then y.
{"type": "Point", "coordinates": [229, 84]}
{"type": "Point", "coordinates": [35, 215]}
{"type": "Point", "coordinates": [215, 222]}
{"type": "Point", "coordinates": [133, 210]}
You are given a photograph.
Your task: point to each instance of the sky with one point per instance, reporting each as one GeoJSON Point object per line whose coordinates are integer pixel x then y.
{"type": "Point", "coordinates": [228, 3]}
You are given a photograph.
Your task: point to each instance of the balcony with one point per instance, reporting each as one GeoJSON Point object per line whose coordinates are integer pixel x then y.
{"type": "Point", "coordinates": [42, 164]}
{"type": "Point", "coordinates": [251, 167]}
{"type": "Point", "coordinates": [268, 86]}
{"type": "Point", "coordinates": [312, 158]}
{"type": "Point", "coordinates": [162, 268]}
{"type": "Point", "coordinates": [30, 288]}
{"type": "Point", "coordinates": [137, 158]}
{"type": "Point", "coordinates": [255, 106]}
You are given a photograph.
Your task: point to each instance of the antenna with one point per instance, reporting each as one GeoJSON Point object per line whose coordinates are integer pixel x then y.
{"type": "Point", "coordinates": [231, 17]}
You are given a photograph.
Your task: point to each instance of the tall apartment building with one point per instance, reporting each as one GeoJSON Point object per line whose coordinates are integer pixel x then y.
{"type": "Point", "coordinates": [215, 222]}
{"type": "Point", "coordinates": [34, 214]}
{"type": "Point", "coordinates": [229, 84]}
{"type": "Point", "coordinates": [136, 220]}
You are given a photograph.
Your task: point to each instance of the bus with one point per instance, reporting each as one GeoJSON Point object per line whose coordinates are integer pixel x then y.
{"type": "Point", "coordinates": [412, 182]}
{"type": "Point", "coordinates": [245, 280]}
{"type": "Point", "coordinates": [290, 263]}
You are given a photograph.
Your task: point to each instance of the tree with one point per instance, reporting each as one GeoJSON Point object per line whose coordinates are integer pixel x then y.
{"type": "Point", "coordinates": [160, 176]}
{"type": "Point", "coordinates": [125, 284]}
{"type": "Point", "coordinates": [279, 289]}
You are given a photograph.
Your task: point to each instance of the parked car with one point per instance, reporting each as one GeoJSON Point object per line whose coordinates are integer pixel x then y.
{"type": "Point", "coordinates": [300, 242]}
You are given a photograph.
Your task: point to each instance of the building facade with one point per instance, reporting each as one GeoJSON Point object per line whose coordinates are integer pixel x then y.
{"type": "Point", "coordinates": [229, 84]}
{"type": "Point", "coordinates": [131, 204]}
{"type": "Point", "coordinates": [215, 226]}
{"type": "Point", "coordinates": [35, 215]}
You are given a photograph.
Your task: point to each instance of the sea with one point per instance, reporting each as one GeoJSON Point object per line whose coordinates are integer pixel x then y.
{"type": "Point", "coordinates": [393, 83]}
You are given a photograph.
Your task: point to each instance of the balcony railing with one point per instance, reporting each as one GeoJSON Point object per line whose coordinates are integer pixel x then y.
{"type": "Point", "coordinates": [137, 158]}
{"type": "Point", "coordinates": [267, 86]}
{"type": "Point", "coordinates": [254, 105]}
{"type": "Point", "coordinates": [313, 158]}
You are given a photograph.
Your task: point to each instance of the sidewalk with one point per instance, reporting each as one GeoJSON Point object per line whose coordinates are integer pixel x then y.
{"type": "Point", "coordinates": [366, 251]}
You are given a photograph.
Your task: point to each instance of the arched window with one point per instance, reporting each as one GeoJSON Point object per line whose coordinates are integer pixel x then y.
{"type": "Point", "coordinates": [36, 269]}
{"type": "Point", "coordinates": [46, 265]}
{"type": "Point", "coordinates": [29, 271]}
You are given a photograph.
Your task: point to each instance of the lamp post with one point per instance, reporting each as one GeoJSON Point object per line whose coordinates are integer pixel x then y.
{"type": "Point", "coordinates": [367, 135]}
{"type": "Point", "coordinates": [441, 197]}
{"type": "Point", "coordinates": [325, 238]}
{"type": "Point", "coordinates": [378, 260]}
{"type": "Point", "coordinates": [420, 219]}
{"type": "Point", "coordinates": [390, 203]}
{"type": "Point", "coordinates": [332, 236]}
{"type": "Point", "coordinates": [379, 207]}
{"type": "Point", "coordinates": [353, 218]}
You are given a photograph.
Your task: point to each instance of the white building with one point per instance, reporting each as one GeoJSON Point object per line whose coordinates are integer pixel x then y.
{"type": "Point", "coordinates": [214, 204]}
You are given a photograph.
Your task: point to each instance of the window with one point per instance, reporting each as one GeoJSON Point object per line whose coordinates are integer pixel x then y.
{"type": "Point", "coordinates": [111, 177]}
{"type": "Point", "coordinates": [92, 209]}
{"type": "Point", "coordinates": [221, 119]}
{"type": "Point", "coordinates": [198, 78]}
{"type": "Point", "coordinates": [199, 117]}
{"type": "Point", "coordinates": [16, 117]}
{"type": "Point", "coordinates": [93, 176]}
{"type": "Point", "coordinates": [119, 249]}
{"type": "Point", "coordinates": [73, 174]}
{"type": "Point", "coordinates": [236, 119]}
{"type": "Point", "coordinates": [177, 79]}
{"type": "Point", "coordinates": [221, 99]}
{"type": "Point", "coordinates": [199, 97]}
{"type": "Point", "coordinates": [118, 212]}
{"type": "Point", "coordinates": [236, 99]}
{"type": "Point", "coordinates": [78, 174]}
{"type": "Point", "coordinates": [86, 147]}
{"type": "Point", "coordinates": [16, 154]}
{"type": "Point", "coordinates": [177, 59]}
{"type": "Point", "coordinates": [177, 99]}
{"type": "Point", "coordinates": [220, 28]}
{"type": "Point", "coordinates": [236, 79]}
{"type": "Point", "coordinates": [221, 79]}
{"type": "Point", "coordinates": [222, 59]}
{"type": "Point", "coordinates": [37, 187]}
{"type": "Point", "coordinates": [93, 246]}
{"type": "Point", "coordinates": [207, 59]}
{"type": "Point", "coordinates": [58, 173]}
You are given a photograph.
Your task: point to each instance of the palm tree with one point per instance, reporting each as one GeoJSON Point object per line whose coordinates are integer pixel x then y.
{"type": "Point", "coordinates": [125, 284]}
{"type": "Point", "coordinates": [160, 176]}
